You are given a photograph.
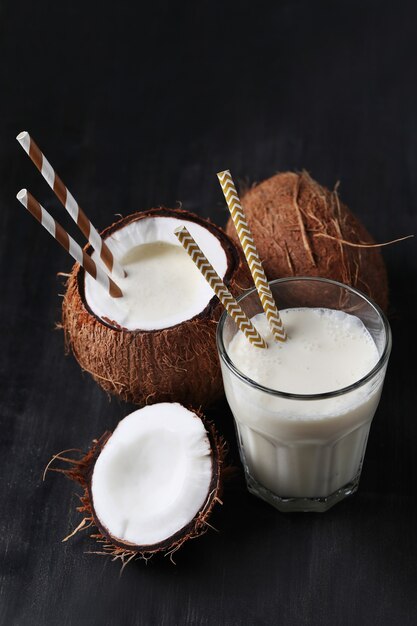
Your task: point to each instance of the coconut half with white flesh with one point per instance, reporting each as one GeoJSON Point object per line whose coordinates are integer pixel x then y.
{"type": "Point", "coordinates": [156, 343]}
{"type": "Point", "coordinates": [152, 484]}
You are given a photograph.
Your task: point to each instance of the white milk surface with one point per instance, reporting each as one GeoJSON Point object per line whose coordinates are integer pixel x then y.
{"type": "Point", "coordinates": [304, 448]}
{"type": "Point", "coordinates": [162, 286]}
{"type": "Point", "coordinates": [161, 281]}
{"type": "Point", "coordinates": [326, 350]}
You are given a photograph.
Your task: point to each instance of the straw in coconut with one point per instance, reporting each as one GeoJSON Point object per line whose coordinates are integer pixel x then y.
{"type": "Point", "coordinates": [219, 288]}
{"type": "Point", "coordinates": [69, 202]}
{"type": "Point", "coordinates": [251, 254]}
{"type": "Point", "coordinates": [68, 243]}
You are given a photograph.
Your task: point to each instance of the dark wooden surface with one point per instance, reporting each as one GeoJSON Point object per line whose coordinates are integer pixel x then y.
{"type": "Point", "coordinates": [139, 107]}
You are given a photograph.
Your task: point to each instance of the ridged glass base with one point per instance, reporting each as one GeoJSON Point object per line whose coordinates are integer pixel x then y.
{"type": "Point", "coordinates": [291, 505]}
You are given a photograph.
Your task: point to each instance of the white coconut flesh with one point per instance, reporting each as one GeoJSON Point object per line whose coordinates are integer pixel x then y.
{"type": "Point", "coordinates": [162, 287]}
{"type": "Point", "coordinates": [153, 475]}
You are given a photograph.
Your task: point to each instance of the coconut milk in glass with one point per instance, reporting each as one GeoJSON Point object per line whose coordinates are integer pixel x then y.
{"type": "Point", "coordinates": [303, 408]}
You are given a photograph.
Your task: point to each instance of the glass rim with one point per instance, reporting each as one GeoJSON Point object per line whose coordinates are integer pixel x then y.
{"type": "Point", "coordinates": [310, 396]}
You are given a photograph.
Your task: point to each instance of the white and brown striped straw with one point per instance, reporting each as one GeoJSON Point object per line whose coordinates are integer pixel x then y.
{"type": "Point", "coordinates": [68, 243]}
{"type": "Point", "coordinates": [252, 257]}
{"type": "Point", "coordinates": [219, 288]}
{"type": "Point", "coordinates": [68, 201]}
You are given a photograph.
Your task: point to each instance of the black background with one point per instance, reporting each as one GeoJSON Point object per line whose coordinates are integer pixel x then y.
{"type": "Point", "coordinates": [141, 105]}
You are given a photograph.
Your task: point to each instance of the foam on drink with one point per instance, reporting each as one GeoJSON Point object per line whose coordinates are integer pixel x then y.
{"type": "Point", "coordinates": [326, 350]}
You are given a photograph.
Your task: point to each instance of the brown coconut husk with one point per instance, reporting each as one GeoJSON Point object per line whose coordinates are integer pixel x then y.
{"type": "Point", "coordinates": [179, 363]}
{"type": "Point", "coordinates": [303, 229]}
{"type": "Point", "coordinates": [81, 471]}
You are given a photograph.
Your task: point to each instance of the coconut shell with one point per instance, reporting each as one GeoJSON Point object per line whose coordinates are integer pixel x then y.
{"type": "Point", "coordinates": [81, 471]}
{"type": "Point", "coordinates": [297, 225]}
{"type": "Point", "coordinates": [176, 364]}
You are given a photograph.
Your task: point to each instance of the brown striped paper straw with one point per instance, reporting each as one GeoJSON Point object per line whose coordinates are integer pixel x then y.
{"type": "Point", "coordinates": [69, 202]}
{"type": "Point", "coordinates": [68, 243]}
{"type": "Point", "coordinates": [251, 254]}
{"type": "Point", "coordinates": [219, 288]}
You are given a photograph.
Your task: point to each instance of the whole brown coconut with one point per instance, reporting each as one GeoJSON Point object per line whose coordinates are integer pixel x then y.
{"type": "Point", "coordinates": [178, 363]}
{"type": "Point", "coordinates": [302, 229]}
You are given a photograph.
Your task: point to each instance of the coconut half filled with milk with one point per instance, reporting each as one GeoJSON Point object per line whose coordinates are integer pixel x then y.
{"type": "Point", "coordinates": [157, 342]}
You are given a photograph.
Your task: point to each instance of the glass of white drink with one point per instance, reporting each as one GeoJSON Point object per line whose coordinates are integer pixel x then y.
{"type": "Point", "coordinates": [303, 407]}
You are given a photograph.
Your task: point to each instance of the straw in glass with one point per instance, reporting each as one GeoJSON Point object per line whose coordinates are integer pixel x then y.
{"type": "Point", "coordinates": [252, 257]}
{"type": "Point", "coordinates": [228, 301]}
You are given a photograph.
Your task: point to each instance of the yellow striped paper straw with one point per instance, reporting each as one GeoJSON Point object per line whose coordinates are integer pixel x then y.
{"type": "Point", "coordinates": [219, 288]}
{"type": "Point", "coordinates": [252, 257]}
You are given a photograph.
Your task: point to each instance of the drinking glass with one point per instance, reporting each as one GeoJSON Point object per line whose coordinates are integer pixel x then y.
{"type": "Point", "coordinates": [300, 460]}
